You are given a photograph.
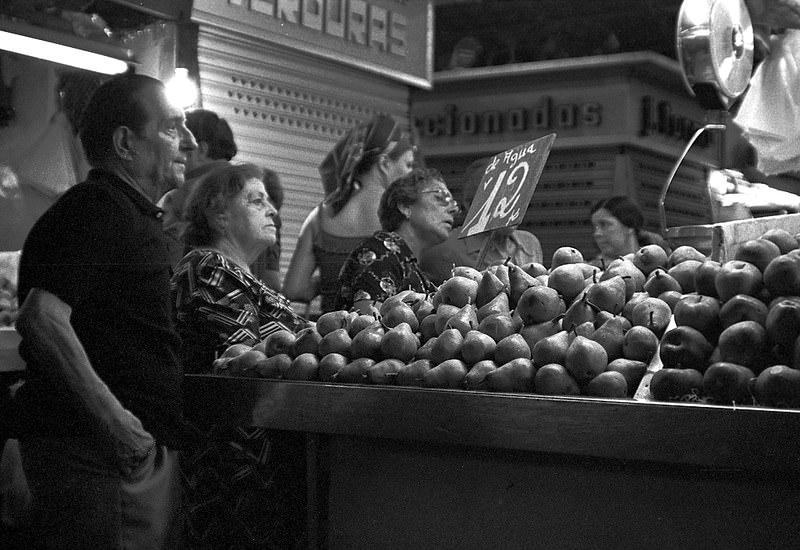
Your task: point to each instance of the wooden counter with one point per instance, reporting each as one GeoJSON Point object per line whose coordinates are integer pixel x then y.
{"type": "Point", "coordinates": [422, 468]}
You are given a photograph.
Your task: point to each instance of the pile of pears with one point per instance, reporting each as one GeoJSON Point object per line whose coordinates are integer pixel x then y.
{"type": "Point", "coordinates": [725, 333]}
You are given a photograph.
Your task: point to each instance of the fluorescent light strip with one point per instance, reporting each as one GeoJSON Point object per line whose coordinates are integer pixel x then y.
{"type": "Point", "coordinates": [58, 53]}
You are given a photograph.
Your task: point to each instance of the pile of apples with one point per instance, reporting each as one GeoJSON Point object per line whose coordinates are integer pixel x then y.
{"type": "Point", "coordinates": [725, 333]}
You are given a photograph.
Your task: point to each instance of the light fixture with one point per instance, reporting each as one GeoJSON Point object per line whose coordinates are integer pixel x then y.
{"type": "Point", "coordinates": [181, 90]}
{"type": "Point", "coordinates": [63, 48]}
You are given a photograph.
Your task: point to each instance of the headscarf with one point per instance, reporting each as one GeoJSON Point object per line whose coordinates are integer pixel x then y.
{"type": "Point", "coordinates": [379, 135]}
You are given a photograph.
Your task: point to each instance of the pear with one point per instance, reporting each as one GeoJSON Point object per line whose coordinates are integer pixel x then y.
{"type": "Point", "coordinates": [330, 364]}
{"type": "Point", "coordinates": [360, 322]}
{"type": "Point", "coordinates": [650, 257]}
{"type": "Point", "coordinates": [631, 369]}
{"type": "Point", "coordinates": [336, 341]}
{"type": "Point", "coordinates": [400, 312]}
{"type": "Point", "coordinates": [519, 281]}
{"type": "Point", "coordinates": [603, 316]}
{"type": "Point", "coordinates": [627, 311]}
{"type": "Point", "coordinates": [632, 275]}
{"type": "Point", "coordinates": [640, 344]}
{"type": "Point", "coordinates": [279, 342]}
{"type": "Point", "coordinates": [489, 287]}
{"type": "Point", "coordinates": [407, 297]}
{"type": "Point", "coordinates": [304, 367]}
{"type": "Point", "coordinates": [501, 272]}
{"type": "Point", "coordinates": [659, 281]}
{"type": "Point", "coordinates": [568, 280]}
{"type": "Point", "coordinates": [458, 291]}
{"type": "Point", "coordinates": [608, 295]}
{"type": "Point", "coordinates": [565, 255]}
{"type": "Point", "coordinates": [652, 313]}
{"type": "Point", "coordinates": [307, 341]}
{"type": "Point", "coordinates": [511, 347]}
{"type": "Point", "coordinates": [498, 326]}
{"type": "Point", "coordinates": [273, 366]}
{"type": "Point", "coordinates": [427, 328]}
{"type": "Point", "coordinates": [425, 350]}
{"type": "Point", "coordinates": [585, 359]}
{"type": "Point", "coordinates": [551, 349]}
{"type": "Point", "coordinates": [466, 271]}
{"type": "Point", "coordinates": [443, 314]}
{"type": "Point", "coordinates": [534, 333]}
{"type": "Point", "coordinates": [413, 374]}
{"type": "Point", "coordinates": [422, 309]}
{"type": "Point", "coordinates": [332, 320]}
{"type": "Point", "coordinates": [611, 335]}
{"type": "Point", "coordinates": [354, 372]}
{"type": "Point", "coordinates": [447, 374]}
{"type": "Point", "coordinates": [538, 304]}
{"type": "Point", "coordinates": [513, 376]}
{"type": "Point", "coordinates": [476, 376]}
{"type": "Point", "coordinates": [447, 346]}
{"type": "Point", "coordinates": [464, 320]}
{"type": "Point", "coordinates": [399, 343]}
{"type": "Point", "coordinates": [384, 372]}
{"type": "Point", "coordinates": [534, 269]}
{"type": "Point", "coordinates": [477, 347]}
{"type": "Point", "coordinates": [608, 384]}
{"type": "Point", "coordinates": [367, 343]}
{"type": "Point", "coordinates": [554, 379]}
{"type": "Point", "coordinates": [580, 311]}
{"type": "Point", "coordinates": [498, 304]}
{"type": "Point", "coordinates": [585, 329]}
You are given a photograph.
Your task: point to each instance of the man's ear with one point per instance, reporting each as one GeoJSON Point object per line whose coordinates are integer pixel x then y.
{"type": "Point", "coordinates": [202, 149]}
{"type": "Point", "coordinates": [123, 143]}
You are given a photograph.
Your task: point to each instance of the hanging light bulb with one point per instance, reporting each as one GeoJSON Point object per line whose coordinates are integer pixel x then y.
{"type": "Point", "coordinates": [181, 90]}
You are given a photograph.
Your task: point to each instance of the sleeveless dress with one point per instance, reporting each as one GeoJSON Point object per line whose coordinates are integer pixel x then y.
{"type": "Point", "coordinates": [331, 251]}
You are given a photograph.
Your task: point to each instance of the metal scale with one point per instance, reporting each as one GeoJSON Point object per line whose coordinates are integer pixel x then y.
{"type": "Point", "coordinates": [715, 48]}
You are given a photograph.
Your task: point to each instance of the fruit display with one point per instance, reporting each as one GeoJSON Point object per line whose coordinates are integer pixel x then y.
{"type": "Point", "coordinates": [695, 329]}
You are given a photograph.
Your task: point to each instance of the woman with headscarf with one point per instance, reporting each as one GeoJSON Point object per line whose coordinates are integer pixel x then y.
{"type": "Point", "coordinates": [354, 175]}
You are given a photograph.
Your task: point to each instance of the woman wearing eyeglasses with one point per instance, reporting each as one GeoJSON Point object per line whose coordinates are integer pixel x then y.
{"type": "Point", "coordinates": [416, 212]}
{"type": "Point", "coordinates": [354, 175]}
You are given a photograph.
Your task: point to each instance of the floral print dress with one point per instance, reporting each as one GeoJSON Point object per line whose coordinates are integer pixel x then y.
{"type": "Point", "coordinates": [381, 266]}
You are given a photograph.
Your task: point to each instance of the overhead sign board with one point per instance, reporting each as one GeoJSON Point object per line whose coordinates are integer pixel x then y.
{"type": "Point", "coordinates": [507, 186]}
{"type": "Point", "coordinates": [389, 37]}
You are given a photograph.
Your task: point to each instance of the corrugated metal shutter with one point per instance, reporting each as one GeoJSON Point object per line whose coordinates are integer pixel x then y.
{"type": "Point", "coordinates": [287, 109]}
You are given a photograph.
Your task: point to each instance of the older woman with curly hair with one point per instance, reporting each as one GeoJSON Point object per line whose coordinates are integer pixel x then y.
{"type": "Point", "coordinates": [416, 212]}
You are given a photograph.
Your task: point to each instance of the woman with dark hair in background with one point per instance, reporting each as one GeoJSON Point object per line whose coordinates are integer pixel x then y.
{"type": "Point", "coordinates": [618, 229]}
{"type": "Point", "coordinates": [416, 212]}
{"type": "Point", "coordinates": [354, 176]}
{"type": "Point", "coordinates": [215, 147]}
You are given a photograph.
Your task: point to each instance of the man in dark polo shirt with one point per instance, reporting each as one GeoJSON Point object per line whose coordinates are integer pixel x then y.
{"type": "Point", "coordinates": [101, 409]}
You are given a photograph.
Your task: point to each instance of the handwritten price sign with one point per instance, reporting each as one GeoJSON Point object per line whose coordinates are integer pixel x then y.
{"type": "Point", "coordinates": [507, 186]}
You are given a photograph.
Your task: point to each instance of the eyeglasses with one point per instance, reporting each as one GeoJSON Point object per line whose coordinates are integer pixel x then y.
{"type": "Point", "coordinates": [442, 196]}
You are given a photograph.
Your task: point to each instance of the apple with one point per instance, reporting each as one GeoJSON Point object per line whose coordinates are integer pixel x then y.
{"type": "Point", "coordinates": [728, 383]}
{"type": "Point", "coordinates": [742, 307]}
{"type": "Point", "coordinates": [699, 312]}
{"type": "Point", "coordinates": [778, 386]}
{"type": "Point", "coordinates": [704, 277]}
{"type": "Point", "coordinates": [759, 252]}
{"type": "Point", "coordinates": [738, 277]}
{"type": "Point", "coordinates": [782, 275]}
{"type": "Point", "coordinates": [783, 322]}
{"type": "Point", "coordinates": [685, 347]}
{"type": "Point", "coordinates": [668, 384]}
{"type": "Point", "coordinates": [744, 343]}
{"type": "Point", "coordinates": [786, 241]}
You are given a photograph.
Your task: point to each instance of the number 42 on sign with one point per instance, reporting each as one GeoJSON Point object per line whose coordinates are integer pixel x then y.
{"type": "Point", "coordinates": [507, 186]}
